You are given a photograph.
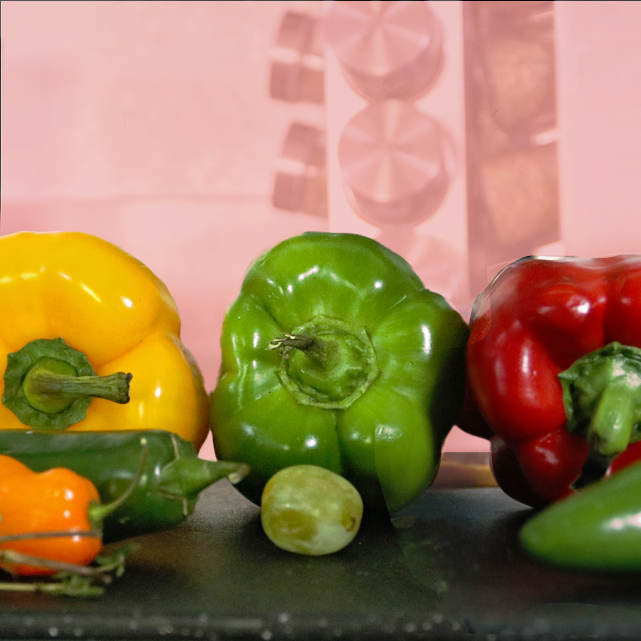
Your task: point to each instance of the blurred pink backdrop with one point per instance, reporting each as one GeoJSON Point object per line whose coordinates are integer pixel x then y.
{"type": "Point", "coordinates": [151, 125]}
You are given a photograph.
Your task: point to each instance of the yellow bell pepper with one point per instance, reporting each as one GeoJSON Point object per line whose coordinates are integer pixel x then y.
{"type": "Point", "coordinates": [81, 294]}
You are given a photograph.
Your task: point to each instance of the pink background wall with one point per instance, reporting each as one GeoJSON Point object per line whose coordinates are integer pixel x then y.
{"type": "Point", "coordinates": [150, 124]}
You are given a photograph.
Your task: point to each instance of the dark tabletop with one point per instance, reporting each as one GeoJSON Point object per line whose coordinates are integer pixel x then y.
{"type": "Point", "coordinates": [448, 566]}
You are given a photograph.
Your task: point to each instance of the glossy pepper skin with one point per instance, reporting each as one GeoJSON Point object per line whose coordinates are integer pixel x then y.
{"type": "Point", "coordinates": [166, 488]}
{"type": "Point", "coordinates": [335, 354]}
{"type": "Point", "coordinates": [57, 500]}
{"type": "Point", "coordinates": [597, 529]}
{"type": "Point", "coordinates": [545, 336]}
{"type": "Point", "coordinates": [81, 290]}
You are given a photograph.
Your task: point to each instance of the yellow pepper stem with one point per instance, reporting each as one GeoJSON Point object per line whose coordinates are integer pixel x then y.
{"type": "Point", "coordinates": [49, 385]}
{"type": "Point", "coordinates": [48, 390]}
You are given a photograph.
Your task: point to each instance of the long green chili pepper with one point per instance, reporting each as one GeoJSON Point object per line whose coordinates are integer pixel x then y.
{"type": "Point", "coordinates": [167, 491]}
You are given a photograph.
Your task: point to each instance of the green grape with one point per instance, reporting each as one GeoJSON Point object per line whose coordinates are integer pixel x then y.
{"type": "Point", "coordinates": [310, 510]}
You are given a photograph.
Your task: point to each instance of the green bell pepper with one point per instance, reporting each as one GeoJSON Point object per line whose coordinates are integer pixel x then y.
{"type": "Point", "coordinates": [335, 354]}
{"type": "Point", "coordinates": [597, 529]}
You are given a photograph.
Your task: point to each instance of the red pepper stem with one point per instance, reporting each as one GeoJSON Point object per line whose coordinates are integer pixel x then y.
{"type": "Point", "coordinates": [611, 426]}
{"type": "Point", "coordinates": [602, 398]}
{"type": "Point", "coordinates": [609, 432]}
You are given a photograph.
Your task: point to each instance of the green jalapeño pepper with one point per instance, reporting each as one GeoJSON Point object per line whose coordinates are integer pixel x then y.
{"type": "Point", "coordinates": [164, 470]}
{"type": "Point", "coordinates": [596, 529]}
{"type": "Point", "coordinates": [336, 355]}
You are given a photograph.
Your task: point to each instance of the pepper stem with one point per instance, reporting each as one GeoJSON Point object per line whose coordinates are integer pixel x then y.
{"type": "Point", "coordinates": [326, 362]}
{"type": "Point", "coordinates": [311, 346]}
{"type": "Point", "coordinates": [47, 390]}
{"type": "Point", "coordinates": [49, 385]}
{"type": "Point", "coordinates": [187, 477]}
{"type": "Point", "coordinates": [602, 397]}
{"type": "Point", "coordinates": [610, 429]}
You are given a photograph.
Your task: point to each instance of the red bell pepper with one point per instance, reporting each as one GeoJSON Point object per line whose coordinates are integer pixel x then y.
{"type": "Point", "coordinates": [554, 373]}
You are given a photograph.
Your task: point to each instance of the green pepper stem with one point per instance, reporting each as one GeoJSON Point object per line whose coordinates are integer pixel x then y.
{"type": "Point", "coordinates": [326, 362]}
{"type": "Point", "coordinates": [310, 345]}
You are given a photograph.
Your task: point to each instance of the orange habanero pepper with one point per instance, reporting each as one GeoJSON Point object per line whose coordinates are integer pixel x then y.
{"type": "Point", "coordinates": [57, 500]}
